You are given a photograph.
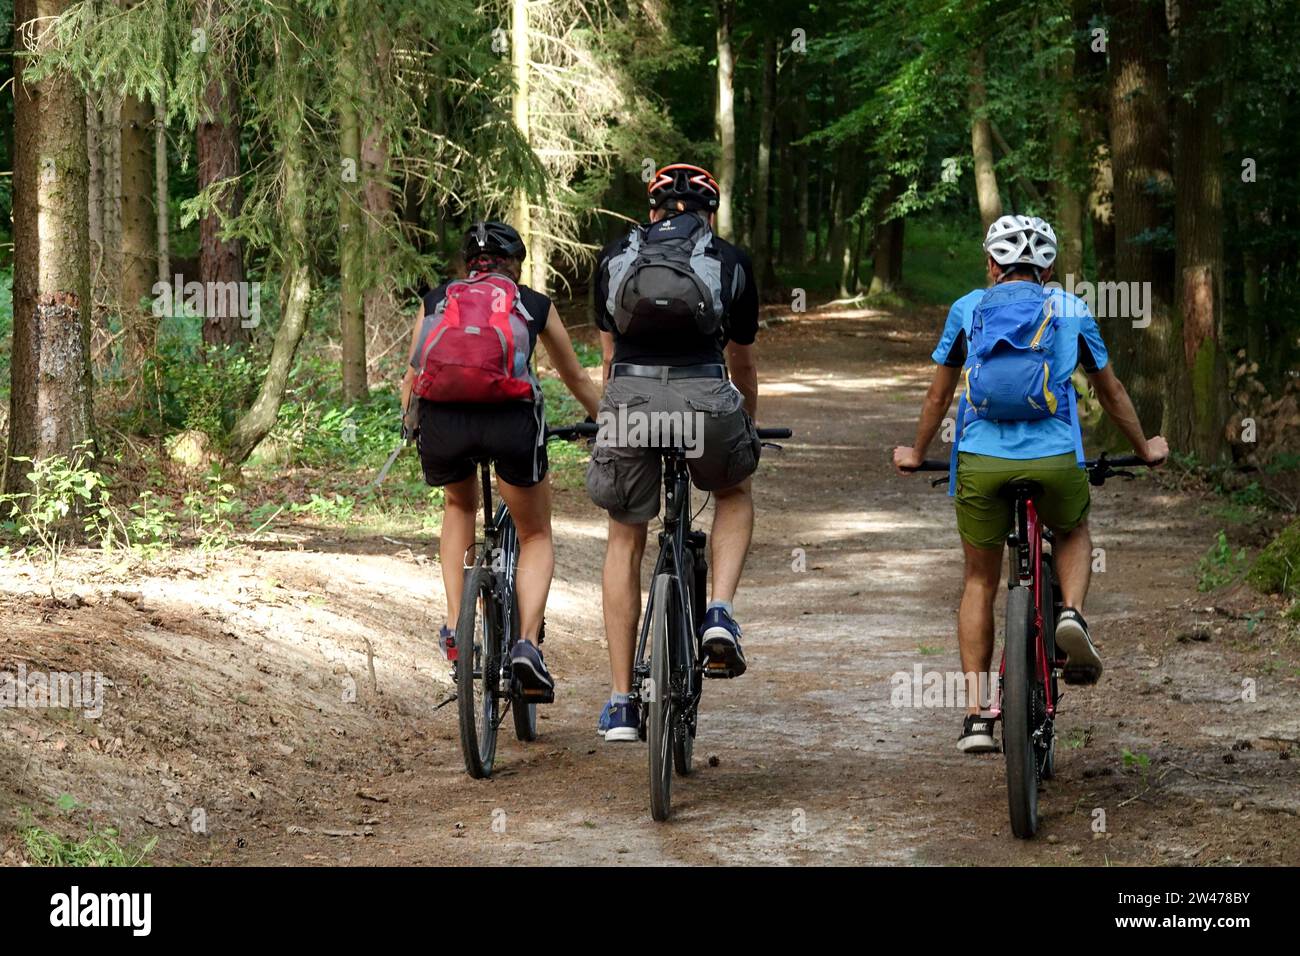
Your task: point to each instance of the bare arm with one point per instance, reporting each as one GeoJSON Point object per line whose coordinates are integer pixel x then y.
{"type": "Point", "coordinates": [606, 355]}
{"type": "Point", "coordinates": [1115, 402]}
{"type": "Point", "coordinates": [408, 380]}
{"type": "Point", "coordinates": [744, 373]}
{"type": "Point", "coordinates": [560, 349]}
{"type": "Point", "coordinates": [937, 399]}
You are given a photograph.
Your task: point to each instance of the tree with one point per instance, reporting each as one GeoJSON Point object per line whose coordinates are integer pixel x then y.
{"type": "Point", "coordinates": [1139, 149]}
{"type": "Point", "coordinates": [981, 140]}
{"type": "Point", "coordinates": [139, 268]}
{"type": "Point", "coordinates": [50, 386]}
{"type": "Point", "coordinates": [725, 12]}
{"type": "Point", "coordinates": [762, 246]}
{"type": "Point", "coordinates": [353, 277]}
{"type": "Point", "coordinates": [1197, 370]}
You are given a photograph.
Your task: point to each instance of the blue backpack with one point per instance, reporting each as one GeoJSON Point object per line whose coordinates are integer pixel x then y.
{"type": "Point", "coordinates": [1008, 371]}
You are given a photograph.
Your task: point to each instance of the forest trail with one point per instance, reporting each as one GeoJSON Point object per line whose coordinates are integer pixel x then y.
{"type": "Point", "coordinates": [230, 681]}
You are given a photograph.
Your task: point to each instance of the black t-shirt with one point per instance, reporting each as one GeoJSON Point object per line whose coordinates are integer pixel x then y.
{"type": "Point", "coordinates": [687, 349]}
{"type": "Point", "coordinates": [535, 306]}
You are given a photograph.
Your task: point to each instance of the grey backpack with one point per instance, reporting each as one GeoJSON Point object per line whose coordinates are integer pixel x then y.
{"type": "Point", "coordinates": [668, 279]}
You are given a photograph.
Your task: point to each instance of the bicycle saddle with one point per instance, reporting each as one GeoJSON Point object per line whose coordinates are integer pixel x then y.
{"type": "Point", "coordinates": [1021, 488]}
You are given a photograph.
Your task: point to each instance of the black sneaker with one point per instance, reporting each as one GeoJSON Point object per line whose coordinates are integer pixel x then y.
{"type": "Point", "coordinates": [1082, 662]}
{"type": "Point", "coordinates": [977, 735]}
{"type": "Point", "coordinates": [526, 661]}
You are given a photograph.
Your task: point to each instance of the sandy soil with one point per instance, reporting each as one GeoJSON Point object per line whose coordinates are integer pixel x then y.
{"type": "Point", "coordinates": [285, 694]}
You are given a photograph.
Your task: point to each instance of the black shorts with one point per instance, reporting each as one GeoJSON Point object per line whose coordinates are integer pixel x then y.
{"type": "Point", "coordinates": [453, 437]}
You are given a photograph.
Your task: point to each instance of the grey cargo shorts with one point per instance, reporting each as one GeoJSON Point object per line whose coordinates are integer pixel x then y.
{"type": "Point", "coordinates": [639, 416]}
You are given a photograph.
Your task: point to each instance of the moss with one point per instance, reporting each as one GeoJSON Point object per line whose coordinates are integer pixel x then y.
{"type": "Point", "coordinates": [1277, 569]}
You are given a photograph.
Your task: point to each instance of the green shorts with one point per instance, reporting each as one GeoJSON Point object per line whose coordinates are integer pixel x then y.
{"type": "Point", "coordinates": [984, 517]}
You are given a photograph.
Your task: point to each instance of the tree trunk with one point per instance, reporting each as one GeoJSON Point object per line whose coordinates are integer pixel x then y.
{"type": "Point", "coordinates": [139, 231]}
{"type": "Point", "coordinates": [109, 281]}
{"type": "Point", "coordinates": [842, 207]}
{"type": "Point", "coordinates": [95, 197]}
{"type": "Point", "coordinates": [799, 240]}
{"type": "Point", "coordinates": [380, 298]}
{"type": "Point", "coordinates": [1139, 143]}
{"type": "Point", "coordinates": [162, 196]}
{"type": "Point", "coordinates": [887, 240]}
{"type": "Point", "coordinates": [1197, 371]}
{"type": "Point", "coordinates": [725, 119]}
{"type": "Point", "coordinates": [221, 261]}
{"type": "Point", "coordinates": [981, 141]}
{"type": "Point", "coordinates": [519, 59]}
{"type": "Point", "coordinates": [50, 377]}
{"type": "Point", "coordinates": [352, 272]}
{"type": "Point", "coordinates": [295, 289]}
{"type": "Point", "coordinates": [1068, 133]}
{"type": "Point", "coordinates": [762, 245]}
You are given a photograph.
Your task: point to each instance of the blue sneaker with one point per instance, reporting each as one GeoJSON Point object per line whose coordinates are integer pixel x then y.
{"type": "Point", "coordinates": [619, 723]}
{"type": "Point", "coordinates": [527, 664]}
{"type": "Point", "coordinates": [720, 635]}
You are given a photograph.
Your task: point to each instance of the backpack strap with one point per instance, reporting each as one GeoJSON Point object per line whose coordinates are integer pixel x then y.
{"type": "Point", "coordinates": [956, 443]}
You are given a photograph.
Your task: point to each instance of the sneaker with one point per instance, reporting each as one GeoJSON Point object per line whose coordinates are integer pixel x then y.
{"type": "Point", "coordinates": [527, 664]}
{"type": "Point", "coordinates": [619, 723]}
{"type": "Point", "coordinates": [447, 643]}
{"type": "Point", "coordinates": [720, 635]}
{"type": "Point", "coordinates": [977, 735]}
{"type": "Point", "coordinates": [1082, 662]}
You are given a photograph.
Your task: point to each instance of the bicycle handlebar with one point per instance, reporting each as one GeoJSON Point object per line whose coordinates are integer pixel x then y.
{"type": "Point", "coordinates": [1099, 468]}
{"type": "Point", "coordinates": [590, 429]}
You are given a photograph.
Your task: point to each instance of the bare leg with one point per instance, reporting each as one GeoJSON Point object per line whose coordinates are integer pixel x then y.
{"type": "Point", "coordinates": [733, 528]}
{"type": "Point", "coordinates": [975, 618]}
{"type": "Point", "coordinates": [531, 510]}
{"type": "Point", "coordinates": [622, 599]}
{"type": "Point", "coordinates": [1073, 553]}
{"type": "Point", "coordinates": [460, 507]}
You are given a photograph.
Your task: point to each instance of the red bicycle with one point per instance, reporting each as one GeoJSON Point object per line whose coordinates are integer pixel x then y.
{"type": "Point", "coordinates": [1028, 694]}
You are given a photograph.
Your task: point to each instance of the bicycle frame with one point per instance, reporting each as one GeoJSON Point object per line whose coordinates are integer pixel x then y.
{"type": "Point", "coordinates": [673, 542]}
{"type": "Point", "coordinates": [500, 553]}
{"type": "Point", "coordinates": [1026, 560]}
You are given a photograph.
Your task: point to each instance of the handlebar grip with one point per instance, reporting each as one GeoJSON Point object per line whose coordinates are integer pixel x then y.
{"type": "Point", "coordinates": [767, 434]}
{"type": "Point", "coordinates": [578, 430]}
{"type": "Point", "coordinates": [930, 464]}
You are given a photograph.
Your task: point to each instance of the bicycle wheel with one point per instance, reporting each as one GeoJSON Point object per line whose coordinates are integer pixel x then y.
{"type": "Point", "coordinates": [659, 724]}
{"type": "Point", "coordinates": [478, 673]}
{"type": "Point", "coordinates": [1051, 601]}
{"type": "Point", "coordinates": [683, 671]}
{"type": "Point", "coordinates": [525, 720]}
{"type": "Point", "coordinates": [1018, 715]}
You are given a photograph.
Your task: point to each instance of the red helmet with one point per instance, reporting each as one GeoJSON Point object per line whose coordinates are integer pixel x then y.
{"type": "Point", "coordinates": [693, 185]}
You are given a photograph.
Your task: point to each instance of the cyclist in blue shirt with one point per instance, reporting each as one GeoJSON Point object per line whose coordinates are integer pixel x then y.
{"type": "Point", "coordinates": [992, 453]}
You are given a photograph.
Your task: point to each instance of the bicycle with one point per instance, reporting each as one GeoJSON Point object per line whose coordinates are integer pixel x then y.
{"type": "Point", "coordinates": [669, 663]}
{"type": "Point", "coordinates": [488, 628]}
{"type": "Point", "coordinates": [1028, 694]}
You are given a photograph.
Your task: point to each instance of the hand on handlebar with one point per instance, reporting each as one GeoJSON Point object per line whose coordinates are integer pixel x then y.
{"type": "Point", "coordinates": [1157, 451]}
{"type": "Point", "coordinates": [907, 459]}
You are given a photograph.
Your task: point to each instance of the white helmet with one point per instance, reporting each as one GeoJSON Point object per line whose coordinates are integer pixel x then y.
{"type": "Point", "coordinates": [1021, 240]}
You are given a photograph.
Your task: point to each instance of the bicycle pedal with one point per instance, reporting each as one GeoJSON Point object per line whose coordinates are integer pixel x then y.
{"type": "Point", "coordinates": [718, 670]}
{"type": "Point", "coordinates": [536, 695]}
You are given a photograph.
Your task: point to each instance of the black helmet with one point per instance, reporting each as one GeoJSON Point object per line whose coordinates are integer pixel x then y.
{"type": "Point", "coordinates": [492, 239]}
{"type": "Point", "coordinates": [693, 185]}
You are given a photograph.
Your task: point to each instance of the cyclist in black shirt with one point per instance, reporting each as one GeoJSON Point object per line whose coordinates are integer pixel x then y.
{"type": "Point", "coordinates": [659, 362]}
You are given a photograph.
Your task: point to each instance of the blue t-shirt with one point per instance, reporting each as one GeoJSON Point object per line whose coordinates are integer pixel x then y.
{"type": "Point", "coordinates": [1077, 341]}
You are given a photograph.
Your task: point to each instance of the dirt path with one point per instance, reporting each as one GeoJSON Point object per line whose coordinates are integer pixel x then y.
{"type": "Point", "coordinates": [237, 710]}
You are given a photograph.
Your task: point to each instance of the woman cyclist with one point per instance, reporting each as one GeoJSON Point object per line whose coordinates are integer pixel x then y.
{"type": "Point", "coordinates": [452, 434]}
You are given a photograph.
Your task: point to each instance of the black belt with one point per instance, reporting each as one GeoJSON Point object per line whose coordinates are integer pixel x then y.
{"type": "Point", "coordinates": [667, 372]}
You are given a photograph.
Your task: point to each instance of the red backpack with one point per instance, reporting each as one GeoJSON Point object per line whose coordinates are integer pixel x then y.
{"type": "Point", "coordinates": [476, 345]}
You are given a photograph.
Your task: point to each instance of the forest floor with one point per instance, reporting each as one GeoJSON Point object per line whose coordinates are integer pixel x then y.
{"type": "Point", "coordinates": [277, 703]}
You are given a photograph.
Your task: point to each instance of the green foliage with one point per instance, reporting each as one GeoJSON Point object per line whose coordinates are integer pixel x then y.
{"type": "Point", "coordinates": [1221, 565]}
{"type": "Point", "coordinates": [100, 847]}
{"type": "Point", "coordinates": [1277, 569]}
{"type": "Point", "coordinates": [209, 511]}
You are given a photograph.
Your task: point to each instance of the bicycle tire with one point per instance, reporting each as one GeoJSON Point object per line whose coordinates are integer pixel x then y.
{"type": "Point", "coordinates": [683, 668]}
{"type": "Point", "coordinates": [525, 720]}
{"type": "Point", "coordinates": [477, 700]}
{"type": "Point", "coordinates": [659, 723]}
{"type": "Point", "coordinates": [1052, 592]}
{"type": "Point", "coordinates": [1017, 715]}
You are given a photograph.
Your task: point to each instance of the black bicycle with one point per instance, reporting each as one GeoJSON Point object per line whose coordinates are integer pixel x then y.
{"type": "Point", "coordinates": [486, 632]}
{"type": "Point", "coordinates": [669, 664]}
{"type": "Point", "coordinates": [1028, 694]}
